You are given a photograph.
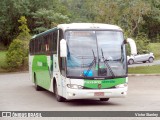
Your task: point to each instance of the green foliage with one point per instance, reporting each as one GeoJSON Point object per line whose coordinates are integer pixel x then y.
{"type": "Point", "coordinates": [152, 21]}
{"type": "Point", "coordinates": [154, 47]}
{"type": "Point", "coordinates": [24, 31]}
{"type": "Point", "coordinates": [2, 47]}
{"type": "Point", "coordinates": [46, 19]}
{"type": "Point", "coordinates": [3, 61]}
{"type": "Point", "coordinates": [107, 12]}
{"type": "Point", "coordinates": [134, 16]}
{"type": "Point", "coordinates": [9, 14]}
{"type": "Point", "coordinates": [16, 54]}
{"type": "Point", "coordinates": [127, 14]}
{"type": "Point", "coordinates": [142, 43]}
{"type": "Point", "coordinates": [80, 10]}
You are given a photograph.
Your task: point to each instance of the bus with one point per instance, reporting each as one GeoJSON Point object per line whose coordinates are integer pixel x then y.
{"type": "Point", "coordinates": [80, 61]}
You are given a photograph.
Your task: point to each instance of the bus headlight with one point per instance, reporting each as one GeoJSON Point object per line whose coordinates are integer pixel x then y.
{"type": "Point", "coordinates": [74, 86]}
{"type": "Point", "coordinates": [121, 85]}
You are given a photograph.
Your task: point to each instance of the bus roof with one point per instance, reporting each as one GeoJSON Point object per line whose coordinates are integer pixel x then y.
{"type": "Point", "coordinates": [45, 32]}
{"type": "Point", "coordinates": [80, 26]}
{"type": "Point", "coordinates": [88, 26]}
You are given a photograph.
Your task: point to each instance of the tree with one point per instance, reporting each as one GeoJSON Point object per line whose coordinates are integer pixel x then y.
{"type": "Point", "coordinates": [152, 21]}
{"type": "Point", "coordinates": [11, 11]}
{"type": "Point", "coordinates": [125, 13]}
{"type": "Point", "coordinates": [46, 19]}
{"type": "Point", "coordinates": [81, 10]}
{"type": "Point", "coordinates": [107, 12]}
{"type": "Point", "coordinates": [24, 30]}
{"type": "Point", "coordinates": [134, 16]}
{"type": "Point", "coordinates": [137, 9]}
{"type": "Point", "coordinates": [17, 54]}
{"type": "Point", "coordinates": [9, 14]}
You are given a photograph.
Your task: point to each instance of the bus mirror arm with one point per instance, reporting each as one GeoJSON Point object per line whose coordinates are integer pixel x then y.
{"type": "Point", "coordinates": [125, 41]}
{"type": "Point", "coordinates": [63, 48]}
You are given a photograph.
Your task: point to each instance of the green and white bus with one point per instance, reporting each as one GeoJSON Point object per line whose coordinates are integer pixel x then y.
{"type": "Point", "coordinates": [80, 61]}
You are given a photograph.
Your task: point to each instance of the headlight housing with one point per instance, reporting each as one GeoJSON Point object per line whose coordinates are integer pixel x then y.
{"type": "Point", "coordinates": [74, 86]}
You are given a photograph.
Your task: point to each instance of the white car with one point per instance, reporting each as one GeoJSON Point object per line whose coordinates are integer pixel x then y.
{"type": "Point", "coordinates": [140, 58]}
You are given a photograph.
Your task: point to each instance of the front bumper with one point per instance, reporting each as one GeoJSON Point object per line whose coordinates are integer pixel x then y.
{"type": "Point", "coordinates": [90, 93]}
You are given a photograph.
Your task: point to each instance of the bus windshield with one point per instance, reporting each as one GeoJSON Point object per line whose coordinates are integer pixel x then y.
{"type": "Point", "coordinates": [96, 54]}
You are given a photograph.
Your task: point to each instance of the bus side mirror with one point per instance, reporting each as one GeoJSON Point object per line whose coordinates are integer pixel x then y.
{"type": "Point", "coordinates": [63, 48]}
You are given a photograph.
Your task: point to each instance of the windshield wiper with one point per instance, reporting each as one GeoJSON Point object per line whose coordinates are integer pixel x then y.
{"type": "Point", "coordinates": [91, 65]}
{"type": "Point", "coordinates": [107, 65]}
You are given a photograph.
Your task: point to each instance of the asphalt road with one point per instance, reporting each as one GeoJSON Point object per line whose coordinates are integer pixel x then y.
{"type": "Point", "coordinates": [155, 62]}
{"type": "Point", "coordinates": [17, 93]}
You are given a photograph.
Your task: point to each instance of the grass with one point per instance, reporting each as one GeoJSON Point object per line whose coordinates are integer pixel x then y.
{"type": "Point", "coordinates": [2, 58]}
{"type": "Point", "coordinates": [155, 48]}
{"type": "Point", "coordinates": [2, 61]}
{"type": "Point", "coordinates": [145, 70]}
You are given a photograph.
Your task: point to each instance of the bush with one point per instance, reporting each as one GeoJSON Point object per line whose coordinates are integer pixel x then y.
{"type": "Point", "coordinates": [17, 54]}
{"type": "Point", "coordinates": [142, 43]}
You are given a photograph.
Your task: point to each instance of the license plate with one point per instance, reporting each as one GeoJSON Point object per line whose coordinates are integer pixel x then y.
{"type": "Point", "coordinates": [99, 94]}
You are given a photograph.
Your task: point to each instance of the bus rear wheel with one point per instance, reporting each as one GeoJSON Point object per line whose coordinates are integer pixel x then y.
{"type": "Point", "coordinates": [38, 88]}
{"type": "Point", "coordinates": [104, 99]}
{"type": "Point", "coordinates": [58, 97]}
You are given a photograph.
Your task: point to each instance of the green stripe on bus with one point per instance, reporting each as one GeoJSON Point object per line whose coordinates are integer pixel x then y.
{"type": "Point", "coordinates": [108, 83]}
{"type": "Point", "coordinates": [41, 68]}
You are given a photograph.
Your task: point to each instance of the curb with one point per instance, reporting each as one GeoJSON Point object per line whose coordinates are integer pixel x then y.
{"type": "Point", "coordinates": [143, 74]}
{"type": "Point", "coordinates": [14, 72]}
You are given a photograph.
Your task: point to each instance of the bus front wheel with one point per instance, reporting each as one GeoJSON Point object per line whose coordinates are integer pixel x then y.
{"type": "Point", "coordinates": [104, 99]}
{"type": "Point", "coordinates": [58, 97]}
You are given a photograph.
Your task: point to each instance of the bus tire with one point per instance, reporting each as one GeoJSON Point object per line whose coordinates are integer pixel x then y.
{"type": "Point", "coordinates": [104, 99]}
{"type": "Point", "coordinates": [58, 97]}
{"type": "Point", "coordinates": [38, 88]}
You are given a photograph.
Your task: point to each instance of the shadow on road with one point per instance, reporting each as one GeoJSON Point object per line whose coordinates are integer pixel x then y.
{"type": "Point", "coordinates": [90, 102]}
